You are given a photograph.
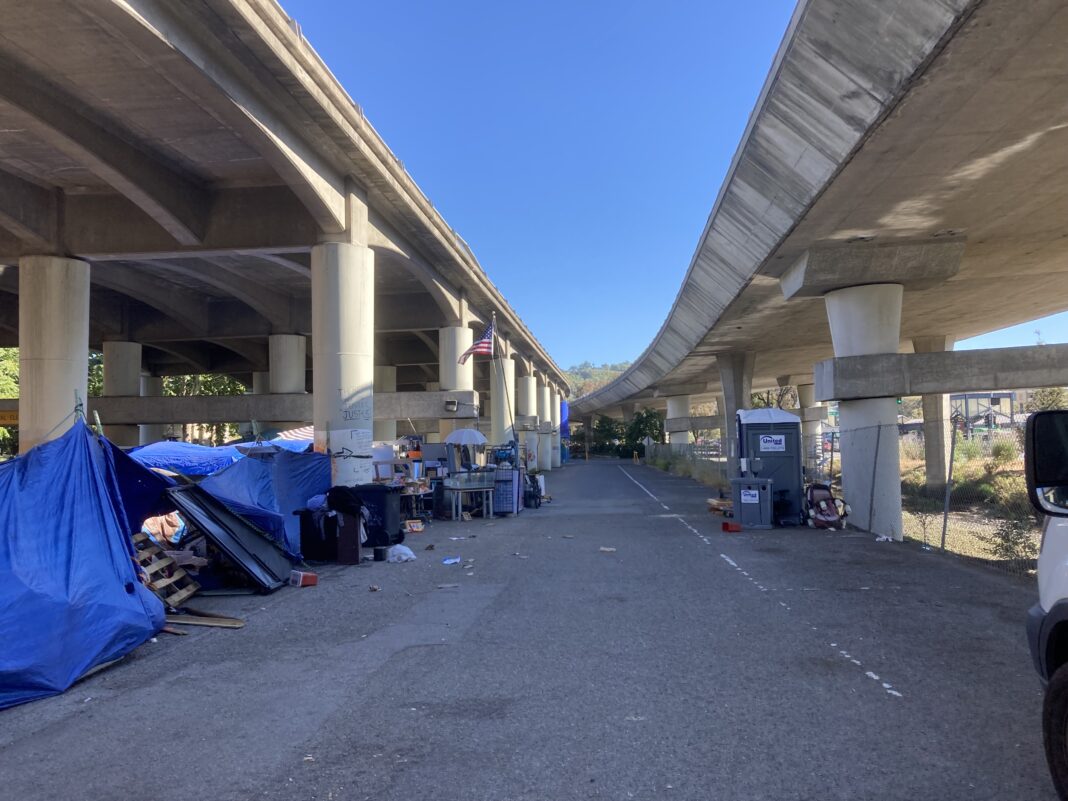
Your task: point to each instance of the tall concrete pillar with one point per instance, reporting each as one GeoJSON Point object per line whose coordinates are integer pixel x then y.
{"type": "Point", "coordinates": [385, 381]}
{"type": "Point", "coordinates": [937, 424]}
{"type": "Point", "coordinates": [152, 387]}
{"type": "Point", "coordinates": [288, 355]}
{"type": "Point", "coordinates": [53, 346]}
{"type": "Point", "coordinates": [261, 383]}
{"type": "Point", "coordinates": [811, 430]}
{"type": "Point", "coordinates": [502, 400]}
{"type": "Point", "coordinates": [555, 416]}
{"type": "Point", "coordinates": [526, 404]}
{"type": "Point", "coordinates": [736, 376]}
{"type": "Point", "coordinates": [628, 412]}
{"type": "Point", "coordinates": [452, 342]}
{"type": "Point", "coordinates": [866, 320]}
{"type": "Point", "coordinates": [343, 342]}
{"type": "Point", "coordinates": [678, 406]}
{"type": "Point", "coordinates": [545, 439]}
{"type": "Point", "coordinates": [122, 379]}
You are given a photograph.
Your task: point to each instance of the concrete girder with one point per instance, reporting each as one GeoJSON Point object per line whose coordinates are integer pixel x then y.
{"type": "Point", "coordinates": [274, 306]}
{"type": "Point", "coordinates": [176, 302]}
{"type": "Point", "coordinates": [29, 212]}
{"type": "Point", "coordinates": [221, 81]}
{"type": "Point", "coordinates": [252, 351]}
{"type": "Point", "coordinates": [195, 356]}
{"type": "Point", "coordinates": [247, 220]}
{"type": "Point", "coordinates": [176, 202]}
{"type": "Point", "coordinates": [914, 265]}
{"type": "Point", "coordinates": [890, 375]}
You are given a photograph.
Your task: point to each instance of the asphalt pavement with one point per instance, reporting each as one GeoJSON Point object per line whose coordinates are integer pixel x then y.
{"type": "Point", "coordinates": [684, 664]}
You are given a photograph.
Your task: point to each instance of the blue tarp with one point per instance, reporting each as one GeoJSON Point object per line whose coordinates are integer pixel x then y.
{"type": "Point", "coordinates": [200, 460]}
{"type": "Point", "coordinates": [565, 421]}
{"type": "Point", "coordinates": [267, 489]}
{"type": "Point", "coordinates": [185, 457]}
{"type": "Point", "coordinates": [69, 595]}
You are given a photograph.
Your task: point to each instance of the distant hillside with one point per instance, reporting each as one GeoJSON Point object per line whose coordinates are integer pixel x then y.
{"type": "Point", "coordinates": [585, 378]}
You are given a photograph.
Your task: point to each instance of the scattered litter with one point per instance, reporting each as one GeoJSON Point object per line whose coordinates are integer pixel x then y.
{"type": "Point", "coordinates": [465, 516]}
{"type": "Point", "coordinates": [430, 547]}
{"type": "Point", "coordinates": [568, 536]}
{"type": "Point", "coordinates": [400, 553]}
{"type": "Point", "coordinates": [457, 539]}
{"type": "Point", "coordinates": [89, 698]}
{"type": "Point", "coordinates": [309, 758]}
{"type": "Point", "coordinates": [374, 588]}
{"type": "Point", "coordinates": [634, 718]}
{"type": "Point", "coordinates": [414, 526]}
{"type": "Point", "coordinates": [521, 556]}
{"type": "Point", "coordinates": [884, 538]}
{"type": "Point", "coordinates": [448, 586]}
{"type": "Point", "coordinates": [173, 630]}
{"type": "Point", "coordinates": [302, 578]}
{"type": "Point", "coordinates": [607, 550]}
{"type": "Point", "coordinates": [451, 560]}
{"type": "Point", "coordinates": [153, 639]}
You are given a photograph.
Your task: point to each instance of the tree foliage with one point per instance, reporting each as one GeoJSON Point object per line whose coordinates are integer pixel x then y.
{"type": "Point", "coordinates": [646, 423]}
{"type": "Point", "coordinates": [586, 377]}
{"type": "Point", "coordinates": [1047, 398]}
{"type": "Point", "coordinates": [781, 398]}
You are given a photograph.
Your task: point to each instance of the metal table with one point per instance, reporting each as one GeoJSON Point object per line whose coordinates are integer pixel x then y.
{"type": "Point", "coordinates": [471, 483]}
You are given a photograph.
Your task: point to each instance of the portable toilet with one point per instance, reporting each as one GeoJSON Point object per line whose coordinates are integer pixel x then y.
{"type": "Point", "coordinates": [770, 448]}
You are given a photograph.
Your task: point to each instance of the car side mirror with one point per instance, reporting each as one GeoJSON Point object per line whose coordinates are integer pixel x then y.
{"type": "Point", "coordinates": [1046, 462]}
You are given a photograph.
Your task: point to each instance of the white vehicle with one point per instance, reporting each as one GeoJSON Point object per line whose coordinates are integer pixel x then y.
{"type": "Point", "coordinates": [1046, 458]}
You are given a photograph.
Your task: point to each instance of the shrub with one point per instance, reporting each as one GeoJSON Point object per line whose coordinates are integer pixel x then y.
{"type": "Point", "coordinates": [1013, 541]}
{"type": "Point", "coordinates": [1004, 452]}
{"type": "Point", "coordinates": [967, 449]}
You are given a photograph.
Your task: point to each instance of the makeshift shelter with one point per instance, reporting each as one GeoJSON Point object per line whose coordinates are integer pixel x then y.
{"type": "Point", "coordinates": [266, 488]}
{"type": "Point", "coordinates": [185, 457]}
{"type": "Point", "coordinates": [70, 598]}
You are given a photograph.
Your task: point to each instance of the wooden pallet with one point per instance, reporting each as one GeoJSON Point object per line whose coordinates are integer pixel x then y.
{"type": "Point", "coordinates": [166, 579]}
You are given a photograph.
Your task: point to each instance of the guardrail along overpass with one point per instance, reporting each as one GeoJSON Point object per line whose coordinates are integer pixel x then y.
{"type": "Point", "coordinates": [900, 185]}
{"type": "Point", "coordinates": [187, 187]}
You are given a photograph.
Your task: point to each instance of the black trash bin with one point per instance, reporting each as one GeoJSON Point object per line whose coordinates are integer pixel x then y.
{"type": "Point", "coordinates": [382, 521]}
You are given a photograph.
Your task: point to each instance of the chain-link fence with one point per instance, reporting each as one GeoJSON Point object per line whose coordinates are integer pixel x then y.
{"type": "Point", "coordinates": [703, 462]}
{"type": "Point", "coordinates": [981, 511]}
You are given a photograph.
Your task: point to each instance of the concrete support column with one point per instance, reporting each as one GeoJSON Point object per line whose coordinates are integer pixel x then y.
{"type": "Point", "coordinates": [343, 341]}
{"type": "Point", "coordinates": [627, 408]}
{"type": "Point", "coordinates": [151, 387]}
{"type": "Point", "coordinates": [678, 406]}
{"type": "Point", "coordinates": [545, 440]}
{"type": "Point", "coordinates": [502, 400]}
{"type": "Point", "coordinates": [555, 415]}
{"type": "Point", "coordinates": [526, 403]}
{"type": "Point", "coordinates": [53, 346]}
{"type": "Point", "coordinates": [811, 430]}
{"type": "Point", "coordinates": [452, 342]}
{"type": "Point", "coordinates": [736, 376]}
{"type": "Point", "coordinates": [866, 320]}
{"type": "Point", "coordinates": [122, 378]}
{"type": "Point", "coordinates": [937, 425]}
{"type": "Point", "coordinates": [385, 381]}
{"type": "Point", "coordinates": [261, 383]}
{"type": "Point", "coordinates": [288, 355]}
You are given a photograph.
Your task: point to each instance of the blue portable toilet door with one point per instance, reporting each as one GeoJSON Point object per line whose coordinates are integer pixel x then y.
{"type": "Point", "coordinates": [779, 450]}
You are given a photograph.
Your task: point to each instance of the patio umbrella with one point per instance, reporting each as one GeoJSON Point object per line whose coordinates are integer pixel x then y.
{"type": "Point", "coordinates": [465, 436]}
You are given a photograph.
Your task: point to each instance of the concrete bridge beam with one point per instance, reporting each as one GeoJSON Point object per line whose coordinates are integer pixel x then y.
{"type": "Point", "coordinates": [385, 381]}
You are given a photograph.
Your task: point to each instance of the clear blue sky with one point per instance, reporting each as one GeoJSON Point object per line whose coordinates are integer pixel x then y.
{"type": "Point", "coordinates": [576, 146]}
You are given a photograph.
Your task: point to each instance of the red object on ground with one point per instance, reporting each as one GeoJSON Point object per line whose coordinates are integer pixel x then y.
{"type": "Point", "coordinates": [302, 578]}
{"type": "Point", "coordinates": [731, 527]}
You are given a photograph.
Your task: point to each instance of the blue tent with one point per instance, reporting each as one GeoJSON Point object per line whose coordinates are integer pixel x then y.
{"type": "Point", "coordinates": [69, 595]}
{"type": "Point", "coordinates": [267, 489]}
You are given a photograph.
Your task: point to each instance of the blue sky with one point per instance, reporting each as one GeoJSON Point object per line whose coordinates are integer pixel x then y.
{"type": "Point", "coordinates": [576, 146]}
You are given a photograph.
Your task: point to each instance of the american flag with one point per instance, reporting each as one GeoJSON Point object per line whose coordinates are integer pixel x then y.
{"type": "Point", "coordinates": [483, 345]}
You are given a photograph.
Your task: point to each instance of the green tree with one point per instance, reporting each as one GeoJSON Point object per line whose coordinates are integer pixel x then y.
{"type": "Point", "coordinates": [646, 423]}
{"type": "Point", "coordinates": [208, 384]}
{"type": "Point", "coordinates": [781, 398]}
{"type": "Point", "coordinates": [1047, 398]}
{"type": "Point", "coordinates": [606, 431]}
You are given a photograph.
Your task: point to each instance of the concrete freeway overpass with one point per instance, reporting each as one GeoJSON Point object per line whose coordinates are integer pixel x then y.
{"type": "Point", "coordinates": [901, 184]}
{"type": "Point", "coordinates": [186, 187]}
